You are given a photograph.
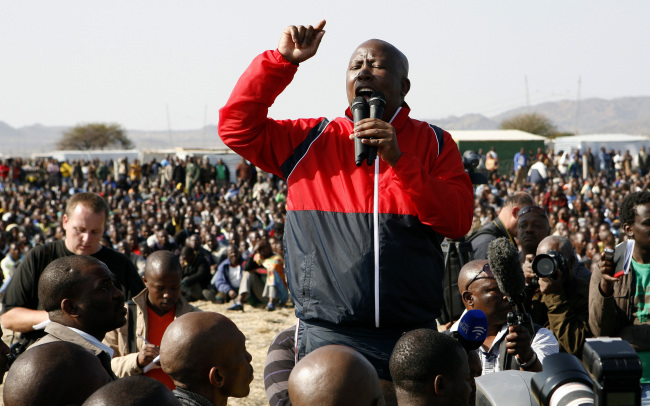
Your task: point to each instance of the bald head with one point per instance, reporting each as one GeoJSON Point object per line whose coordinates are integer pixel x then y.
{"type": "Point", "coordinates": [162, 262]}
{"type": "Point", "coordinates": [399, 57]}
{"type": "Point", "coordinates": [563, 246]}
{"type": "Point", "coordinates": [57, 373]}
{"type": "Point", "coordinates": [377, 66]}
{"type": "Point", "coordinates": [468, 272]}
{"type": "Point", "coordinates": [334, 375]}
{"type": "Point", "coordinates": [556, 243]}
{"type": "Point", "coordinates": [205, 352]}
{"type": "Point", "coordinates": [135, 390]}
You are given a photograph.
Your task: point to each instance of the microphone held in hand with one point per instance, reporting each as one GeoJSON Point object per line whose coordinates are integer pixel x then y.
{"type": "Point", "coordinates": [360, 110]}
{"type": "Point", "coordinates": [503, 258]}
{"type": "Point", "coordinates": [377, 104]}
{"type": "Point", "coordinates": [472, 329]}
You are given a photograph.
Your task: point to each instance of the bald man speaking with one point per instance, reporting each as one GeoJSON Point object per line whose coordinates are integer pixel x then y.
{"type": "Point", "coordinates": [364, 262]}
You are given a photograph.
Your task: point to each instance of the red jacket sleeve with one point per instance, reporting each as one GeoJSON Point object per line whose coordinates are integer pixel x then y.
{"type": "Point", "coordinates": [243, 122]}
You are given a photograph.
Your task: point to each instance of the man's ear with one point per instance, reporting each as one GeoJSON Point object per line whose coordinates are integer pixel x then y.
{"type": "Point", "coordinates": [70, 308]}
{"type": "Point", "coordinates": [440, 385]}
{"type": "Point", "coordinates": [216, 379]}
{"type": "Point", "coordinates": [468, 299]}
{"type": "Point", "coordinates": [628, 230]}
{"type": "Point", "coordinates": [515, 212]}
{"type": "Point", "coordinates": [144, 280]}
{"type": "Point", "coordinates": [406, 86]}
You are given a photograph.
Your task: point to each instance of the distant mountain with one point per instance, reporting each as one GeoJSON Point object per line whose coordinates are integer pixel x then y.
{"type": "Point", "coordinates": [24, 141]}
{"type": "Point", "coordinates": [629, 115]}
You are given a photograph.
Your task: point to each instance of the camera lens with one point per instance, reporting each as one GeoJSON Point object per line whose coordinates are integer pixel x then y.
{"type": "Point", "coordinates": [545, 266]}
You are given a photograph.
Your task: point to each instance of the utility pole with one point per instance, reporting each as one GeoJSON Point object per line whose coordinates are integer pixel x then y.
{"type": "Point", "coordinates": [575, 125]}
{"type": "Point", "coordinates": [527, 94]}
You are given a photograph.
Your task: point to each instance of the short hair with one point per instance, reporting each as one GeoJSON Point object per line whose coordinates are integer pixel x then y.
{"type": "Point", "coordinates": [93, 201]}
{"type": "Point", "coordinates": [61, 279]}
{"type": "Point", "coordinates": [187, 252]}
{"type": "Point", "coordinates": [134, 390]}
{"type": "Point", "coordinates": [629, 204]}
{"type": "Point", "coordinates": [520, 199]}
{"type": "Point", "coordinates": [163, 261]}
{"type": "Point", "coordinates": [421, 355]}
{"type": "Point", "coordinates": [55, 373]}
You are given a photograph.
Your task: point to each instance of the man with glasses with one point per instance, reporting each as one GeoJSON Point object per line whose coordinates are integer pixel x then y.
{"type": "Point", "coordinates": [479, 290]}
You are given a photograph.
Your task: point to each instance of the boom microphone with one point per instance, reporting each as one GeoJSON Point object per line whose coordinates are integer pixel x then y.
{"type": "Point", "coordinates": [472, 329]}
{"type": "Point", "coordinates": [503, 258]}
{"type": "Point", "coordinates": [360, 110]}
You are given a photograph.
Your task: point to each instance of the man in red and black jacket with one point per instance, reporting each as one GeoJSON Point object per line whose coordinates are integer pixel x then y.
{"type": "Point", "coordinates": [363, 261]}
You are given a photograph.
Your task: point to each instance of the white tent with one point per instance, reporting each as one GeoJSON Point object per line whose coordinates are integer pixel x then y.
{"type": "Point", "coordinates": [617, 142]}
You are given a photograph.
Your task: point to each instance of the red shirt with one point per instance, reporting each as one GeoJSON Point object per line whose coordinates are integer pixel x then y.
{"type": "Point", "coordinates": [157, 327]}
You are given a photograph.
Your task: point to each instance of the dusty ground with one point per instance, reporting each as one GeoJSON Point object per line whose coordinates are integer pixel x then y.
{"type": "Point", "coordinates": [259, 327]}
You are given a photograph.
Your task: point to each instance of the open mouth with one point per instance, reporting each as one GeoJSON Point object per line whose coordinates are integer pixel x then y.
{"type": "Point", "coordinates": [365, 92]}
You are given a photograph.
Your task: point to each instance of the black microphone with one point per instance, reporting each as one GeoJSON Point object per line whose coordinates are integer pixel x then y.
{"type": "Point", "coordinates": [377, 104]}
{"type": "Point", "coordinates": [472, 329]}
{"type": "Point", "coordinates": [360, 110]}
{"type": "Point", "coordinates": [503, 258]}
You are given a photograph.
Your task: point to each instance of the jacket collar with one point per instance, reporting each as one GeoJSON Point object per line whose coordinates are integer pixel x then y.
{"type": "Point", "coordinates": [397, 121]}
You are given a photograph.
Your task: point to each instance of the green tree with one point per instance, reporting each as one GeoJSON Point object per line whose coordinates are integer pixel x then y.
{"type": "Point", "coordinates": [533, 123]}
{"type": "Point", "coordinates": [95, 136]}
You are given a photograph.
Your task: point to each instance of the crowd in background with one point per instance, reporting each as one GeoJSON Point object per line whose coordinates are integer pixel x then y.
{"type": "Point", "coordinates": [195, 210]}
{"type": "Point", "coordinates": [581, 195]}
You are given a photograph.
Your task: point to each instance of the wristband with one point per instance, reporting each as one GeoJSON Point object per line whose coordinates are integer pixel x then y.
{"type": "Point", "coordinates": [526, 365]}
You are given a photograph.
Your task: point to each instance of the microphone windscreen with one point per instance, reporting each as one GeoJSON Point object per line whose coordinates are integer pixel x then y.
{"type": "Point", "coordinates": [473, 327]}
{"type": "Point", "coordinates": [503, 258]}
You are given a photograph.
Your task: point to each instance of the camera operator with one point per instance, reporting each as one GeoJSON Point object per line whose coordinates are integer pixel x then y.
{"type": "Point", "coordinates": [560, 301]}
{"type": "Point", "coordinates": [618, 296]}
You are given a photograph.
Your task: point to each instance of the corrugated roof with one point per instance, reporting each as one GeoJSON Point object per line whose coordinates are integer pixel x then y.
{"type": "Point", "coordinates": [494, 135]}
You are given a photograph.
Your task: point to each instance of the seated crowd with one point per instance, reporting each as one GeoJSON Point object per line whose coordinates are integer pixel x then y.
{"type": "Point", "coordinates": [130, 335]}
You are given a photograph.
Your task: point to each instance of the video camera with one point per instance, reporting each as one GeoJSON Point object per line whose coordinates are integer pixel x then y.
{"type": "Point", "coordinates": [470, 163]}
{"type": "Point", "coordinates": [613, 379]}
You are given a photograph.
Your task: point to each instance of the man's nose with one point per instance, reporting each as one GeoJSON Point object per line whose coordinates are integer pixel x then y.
{"type": "Point", "coordinates": [364, 73]}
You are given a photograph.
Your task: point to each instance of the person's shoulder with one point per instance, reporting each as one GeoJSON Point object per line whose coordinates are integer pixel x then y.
{"type": "Point", "coordinates": [110, 256]}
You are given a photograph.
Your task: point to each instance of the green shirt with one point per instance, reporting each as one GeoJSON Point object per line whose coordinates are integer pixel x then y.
{"type": "Point", "coordinates": [642, 305]}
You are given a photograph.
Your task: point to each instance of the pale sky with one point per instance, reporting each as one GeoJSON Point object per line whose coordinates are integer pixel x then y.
{"type": "Point", "coordinates": [131, 62]}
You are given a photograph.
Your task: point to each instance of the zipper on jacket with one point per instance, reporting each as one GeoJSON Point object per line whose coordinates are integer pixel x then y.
{"type": "Point", "coordinates": [375, 220]}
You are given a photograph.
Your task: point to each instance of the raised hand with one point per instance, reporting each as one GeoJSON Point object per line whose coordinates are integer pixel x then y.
{"type": "Point", "coordinates": [299, 43]}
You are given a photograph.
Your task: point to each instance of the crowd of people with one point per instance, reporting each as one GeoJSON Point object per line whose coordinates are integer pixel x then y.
{"type": "Point", "coordinates": [109, 256]}
{"type": "Point", "coordinates": [161, 229]}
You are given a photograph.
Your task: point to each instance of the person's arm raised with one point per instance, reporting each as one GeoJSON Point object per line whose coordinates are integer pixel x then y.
{"type": "Point", "coordinates": [299, 43]}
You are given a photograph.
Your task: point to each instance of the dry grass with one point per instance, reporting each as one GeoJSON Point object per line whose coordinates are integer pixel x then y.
{"type": "Point", "coordinates": [259, 327]}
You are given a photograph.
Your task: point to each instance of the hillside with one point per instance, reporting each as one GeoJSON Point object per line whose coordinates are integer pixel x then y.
{"type": "Point", "coordinates": [629, 115]}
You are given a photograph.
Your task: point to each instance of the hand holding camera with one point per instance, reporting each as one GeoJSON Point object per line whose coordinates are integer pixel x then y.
{"type": "Point", "coordinates": [550, 269]}
{"type": "Point", "coordinates": [607, 267]}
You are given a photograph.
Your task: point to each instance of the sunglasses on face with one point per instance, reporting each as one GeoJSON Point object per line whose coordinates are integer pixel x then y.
{"type": "Point", "coordinates": [488, 275]}
{"type": "Point", "coordinates": [532, 209]}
